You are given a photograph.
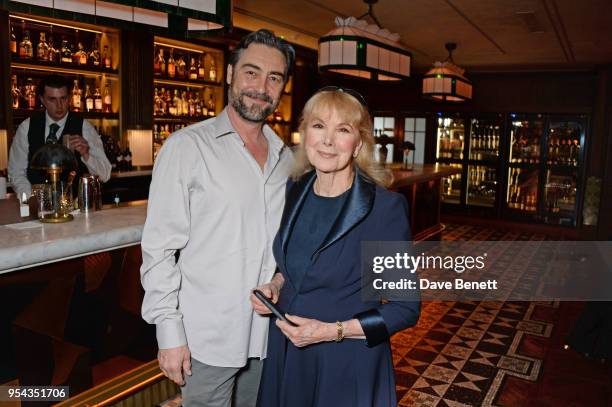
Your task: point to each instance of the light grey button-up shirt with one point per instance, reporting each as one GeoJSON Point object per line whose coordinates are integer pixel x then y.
{"type": "Point", "coordinates": [210, 199]}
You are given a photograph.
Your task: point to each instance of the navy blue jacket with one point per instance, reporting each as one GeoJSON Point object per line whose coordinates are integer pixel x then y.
{"type": "Point", "coordinates": [353, 372]}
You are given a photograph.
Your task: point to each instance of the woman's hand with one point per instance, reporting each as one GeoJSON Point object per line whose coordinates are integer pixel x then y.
{"type": "Point", "coordinates": [308, 331]}
{"type": "Point", "coordinates": [270, 290]}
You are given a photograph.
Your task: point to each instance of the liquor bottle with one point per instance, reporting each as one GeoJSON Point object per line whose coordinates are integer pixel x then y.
{"type": "Point", "coordinates": [30, 94]}
{"type": "Point", "coordinates": [42, 49]}
{"type": "Point", "coordinates": [15, 92]}
{"type": "Point", "coordinates": [25, 46]}
{"type": "Point", "coordinates": [166, 101]}
{"type": "Point", "coordinates": [181, 68]}
{"type": "Point", "coordinates": [201, 70]}
{"type": "Point", "coordinates": [191, 104]}
{"type": "Point", "coordinates": [184, 104]}
{"type": "Point", "coordinates": [97, 100]}
{"type": "Point", "coordinates": [76, 97]}
{"type": "Point", "coordinates": [171, 65]}
{"type": "Point", "coordinates": [193, 70]}
{"type": "Point", "coordinates": [94, 54]}
{"type": "Point", "coordinates": [89, 100]}
{"type": "Point", "coordinates": [107, 100]}
{"type": "Point", "coordinates": [174, 104]}
{"type": "Point", "coordinates": [13, 43]}
{"type": "Point", "coordinates": [80, 55]}
{"type": "Point", "coordinates": [159, 65]}
{"type": "Point", "coordinates": [106, 58]}
{"type": "Point", "coordinates": [212, 72]}
{"type": "Point", "coordinates": [210, 105]}
{"type": "Point", "coordinates": [66, 52]}
{"type": "Point", "coordinates": [54, 53]}
{"type": "Point", "coordinates": [198, 106]}
{"type": "Point", "coordinates": [576, 152]}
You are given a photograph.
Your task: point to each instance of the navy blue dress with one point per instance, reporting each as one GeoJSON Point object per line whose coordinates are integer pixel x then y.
{"type": "Point", "coordinates": [352, 373]}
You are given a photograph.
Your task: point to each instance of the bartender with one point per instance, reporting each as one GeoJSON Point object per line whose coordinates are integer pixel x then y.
{"type": "Point", "coordinates": [53, 125]}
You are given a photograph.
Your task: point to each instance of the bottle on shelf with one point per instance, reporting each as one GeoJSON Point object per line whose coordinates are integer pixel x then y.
{"type": "Point", "coordinates": [97, 97]}
{"type": "Point", "coordinates": [159, 65]}
{"type": "Point", "coordinates": [89, 99]}
{"type": "Point", "coordinates": [26, 50]}
{"type": "Point", "coordinates": [210, 105]}
{"type": "Point", "coordinates": [199, 110]}
{"type": "Point", "coordinates": [201, 70]}
{"type": "Point", "coordinates": [66, 52]}
{"type": "Point", "coordinates": [184, 110]}
{"type": "Point", "coordinates": [80, 57]}
{"type": "Point", "coordinates": [30, 94]}
{"type": "Point", "coordinates": [42, 49]}
{"type": "Point", "coordinates": [212, 72]}
{"type": "Point", "coordinates": [106, 58]}
{"type": "Point", "coordinates": [15, 93]}
{"type": "Point", "coordinates": [173, 109]}
{"type": "Point", "coordinates": [107, 99]}
{"type": "Point", "coordinates": [94, 54]}
{"type": "Point", "coordinates": [76, 97]}
{"type": "Point", "coordinates": [54, 53]}
{"type": "Point", "coordinates": [171, 65]}
{"type": "Point", "coordinates": [181, 68]}
{"type": "Point", "coordinates": [191, 103]}
{"type": "Point", "coordinates": [193, 70]}
{"type": "Point", "coordinates": [13, 42]}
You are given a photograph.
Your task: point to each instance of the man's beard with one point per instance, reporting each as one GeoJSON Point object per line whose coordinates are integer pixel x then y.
{"type": "Point", "coordinates": [256, 113]}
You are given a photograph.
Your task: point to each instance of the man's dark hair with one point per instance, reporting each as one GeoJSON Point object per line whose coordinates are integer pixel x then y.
{"type": "Point", "coordinates": [265, 37]}
{"type": "Point", "coordinates": [53, 81]}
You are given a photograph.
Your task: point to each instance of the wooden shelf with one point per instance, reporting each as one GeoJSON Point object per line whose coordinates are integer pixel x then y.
{"type": "Point", "coordinates": [24, 113]}
{"type": "Point", "coordinates": [185, 83]}
{"type": "Point", "coordinates": [45, 67]}
{"type": "Point", "coordinates": [180, 119]}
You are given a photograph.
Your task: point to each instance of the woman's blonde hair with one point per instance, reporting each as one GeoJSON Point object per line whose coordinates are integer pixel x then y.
{"type": "Point", "coordinates": [352, 111]}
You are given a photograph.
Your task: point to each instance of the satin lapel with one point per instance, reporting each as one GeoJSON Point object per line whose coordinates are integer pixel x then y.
{"type": "Point", "coordinates": [295, 198]}
{"type": "Point", "coordinates": [358, 204]}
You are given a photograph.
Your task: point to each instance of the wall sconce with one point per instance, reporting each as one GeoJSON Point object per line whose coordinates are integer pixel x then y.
{"type": "Point", "coordinates": [3, 150]}
{"type": "Point", "coordinates": [296, 138]}
{"type": "Point", "coordinates": [141, 146]}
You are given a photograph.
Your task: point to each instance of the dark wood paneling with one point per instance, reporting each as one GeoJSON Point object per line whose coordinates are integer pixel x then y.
{"type": "Point", "coordinates": [5, 69]}
{"type": "Point", "coordinates": [137, 79]}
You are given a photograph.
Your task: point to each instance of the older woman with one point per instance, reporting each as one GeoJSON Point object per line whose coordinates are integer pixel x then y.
{"type": "Point", "coordinates": [339, 354]}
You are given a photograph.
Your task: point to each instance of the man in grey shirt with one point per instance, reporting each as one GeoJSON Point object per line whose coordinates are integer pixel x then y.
{"type": "Point", "coordinates": [217, 195]}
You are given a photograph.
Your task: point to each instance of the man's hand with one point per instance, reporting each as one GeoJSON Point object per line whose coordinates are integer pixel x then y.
{"type": "Point", "coordinates": [79, 144]}
{"type": "Point", "coordinates": [175, 363]}
{"type": "Point", "coordinates": [270, 290]}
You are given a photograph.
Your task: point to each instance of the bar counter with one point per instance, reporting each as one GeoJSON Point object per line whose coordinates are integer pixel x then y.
{"type": "Point", "coordinates": [32, 243]}
{"type": "Point", "coordinates": [422, 188]}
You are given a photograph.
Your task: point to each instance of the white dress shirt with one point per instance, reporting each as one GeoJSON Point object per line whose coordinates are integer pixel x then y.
{"type": "Point", "coordinates": [97, 163]}
{"type": "Point", "coordinates": [210, 199]}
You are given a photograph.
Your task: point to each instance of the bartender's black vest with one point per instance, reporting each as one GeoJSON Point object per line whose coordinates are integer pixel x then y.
{"type": "Point", "coordinates": [36, 139]}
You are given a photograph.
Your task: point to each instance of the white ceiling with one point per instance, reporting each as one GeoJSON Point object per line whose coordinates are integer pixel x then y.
{"type": "Point", "coordinates": [491, 34]}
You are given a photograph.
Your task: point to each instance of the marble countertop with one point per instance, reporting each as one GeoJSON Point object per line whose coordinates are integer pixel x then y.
{"type": "Point", "coordinates": [32, 243]}
{"type": "Point", "coordinates": [420, 173]}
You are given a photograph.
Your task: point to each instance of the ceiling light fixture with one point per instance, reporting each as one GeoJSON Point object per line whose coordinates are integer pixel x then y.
{"type": "Point", "coordinates": [445, 81]}
{"type": "Point", "coordinates": [364, 50]}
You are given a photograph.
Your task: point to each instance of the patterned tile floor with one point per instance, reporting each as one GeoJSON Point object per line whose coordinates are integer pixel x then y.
{"type": "Point", "coordinates": [477, 353]}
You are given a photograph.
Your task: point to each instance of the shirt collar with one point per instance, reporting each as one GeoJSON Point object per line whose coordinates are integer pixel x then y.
{"type": "Point", "coordinates": [60, 122]}
{"type": "Point", "coordinates": [223, 127]}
